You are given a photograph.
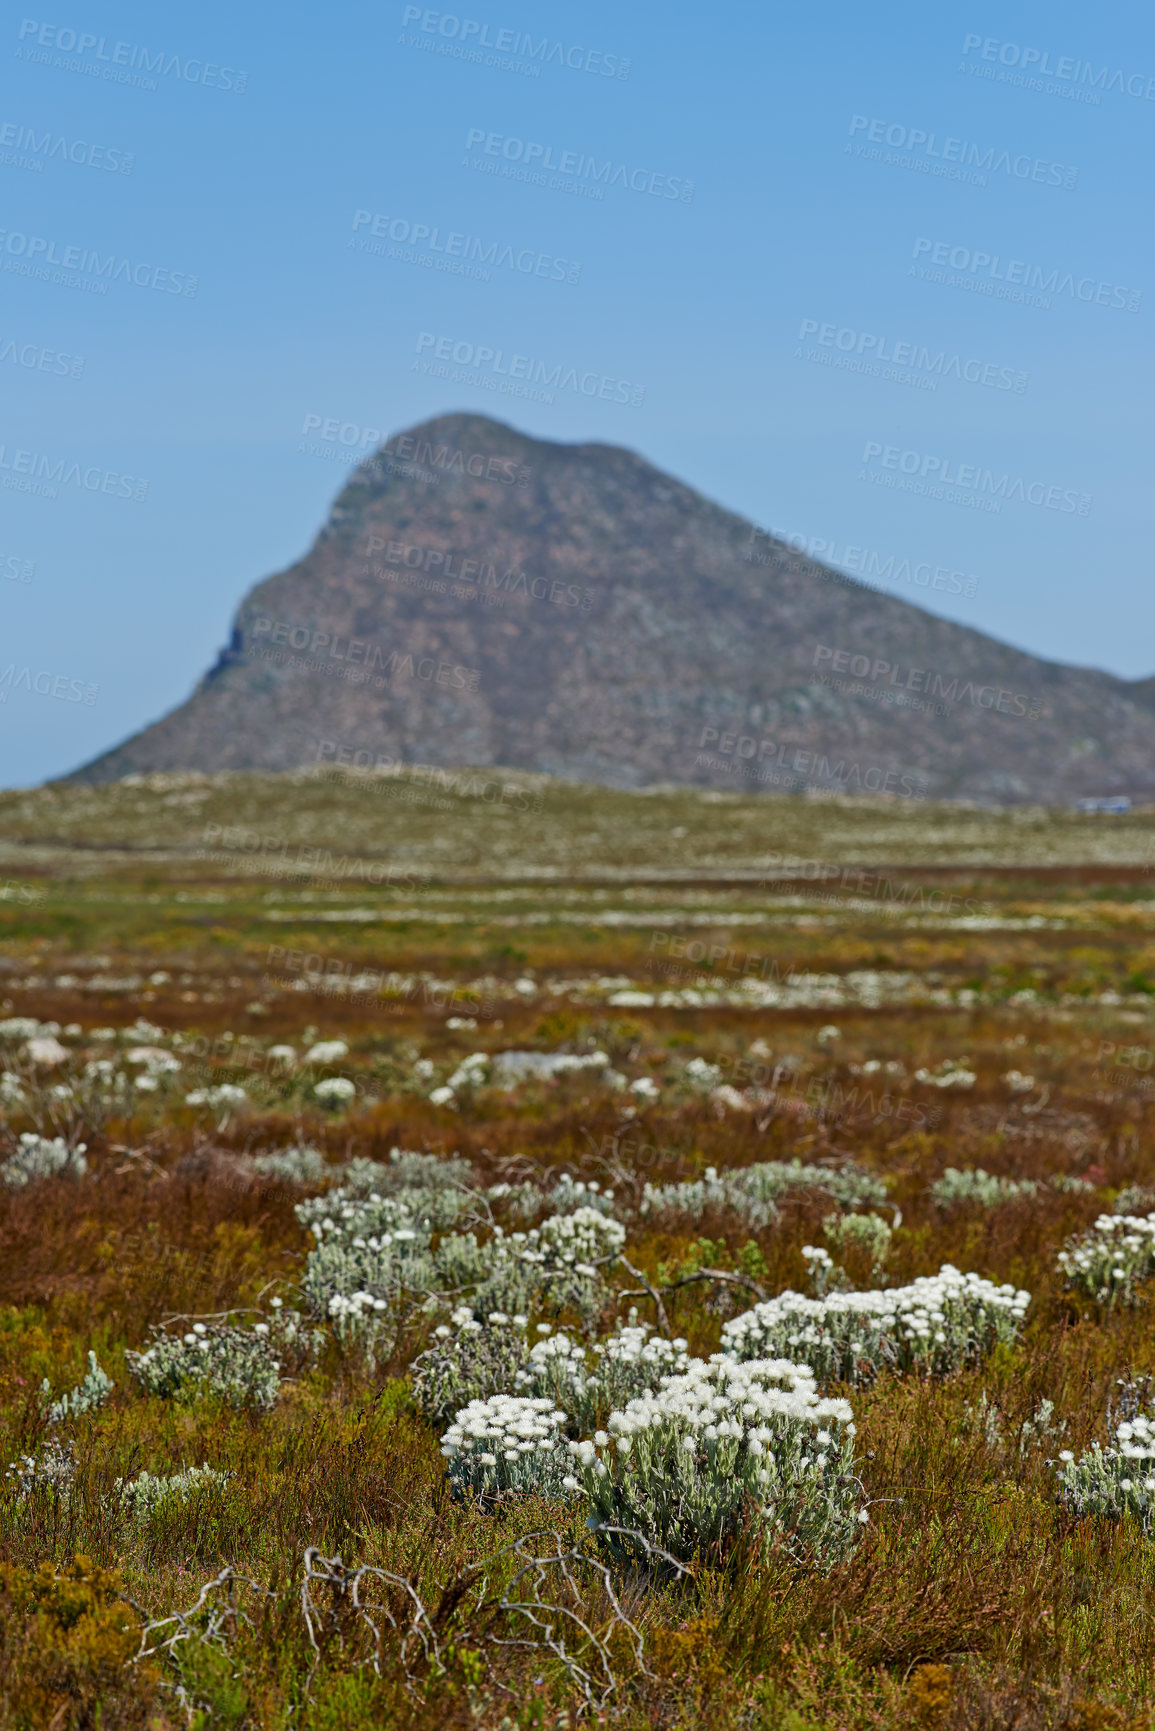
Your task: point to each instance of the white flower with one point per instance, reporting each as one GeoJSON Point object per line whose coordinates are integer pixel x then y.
{"type": "Point", "coordinates": [45, 1052]}
{"type": "Point", "coordinates": [335, 1088]}
{"type": "Point", "coordinates": [326, 1052]}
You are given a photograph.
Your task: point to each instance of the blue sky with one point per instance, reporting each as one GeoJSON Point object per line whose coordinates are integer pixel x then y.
{"type": "Point", "coordinates": [872, 282]}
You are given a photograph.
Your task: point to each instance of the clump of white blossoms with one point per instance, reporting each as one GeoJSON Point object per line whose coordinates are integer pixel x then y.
{"type": "Point", "coordinates": [589, 1382]}
{"type": "Point", "coordinates": [717, 1447]}
{"type": "Point", "coordinates": [1110, 1260]}
{"type": "Point", "coordinates": [951, 1073]}
{"type": "Point", "coordinates": [144, 1495]}
{"type": "Point", "coordinates": [469, 1075]}
{"type": "Point", "coordinates": [754, 1191]}
{"type": "Point", "coordinates": [86, 1397]}
{"type": "Point", "coordinates": [933, 1326]}
{"type": "Point", "coordinates": [566, 1254]}
{"type": "Point", "coordinates": [299, 1165]}
{"type": "Point", "coordinates": [975, 1185]}
{"type": "Point", "coordinates": [371, 1263]}
{"type": "Point", "coordinates": [701, 1075]}
{"type": "Point", "coordinates": [227, 1094]}
{"type": "Point", "coordinates": [1115, 1481]}
{"type": "Point", "coordinates": [235, 1364]}
{"type": "Point", "coordinates": [507, 1445]}
{"type": "Point", "coordinates": [569, 1194]}
{"type": "Point", "coordinates": [325, 1052]}
{"type": "Point", "coordinates": [335, 1090]}
{"type": "Point", "coordinates": [51, 1472]}
{"type": "Point", "coordinates": [38, 1157]}
{"type": "Point", "coordinates": [469, 1360]}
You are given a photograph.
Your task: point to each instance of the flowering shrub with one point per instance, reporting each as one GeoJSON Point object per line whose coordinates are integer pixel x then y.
{"type": "Point", "coordinates": [933, 1327]}
{"type": "Point", "coordinates": [570, 1194]}
{"type": "Point", "coordinates": [1115, 1481]}
{"type": "Point", "coordinates": [975, 1185]}
{"type": "Point", "coordinates": [565, 1254]}
{"type": "Point", "coordinates": [504, 1445]}
{"type": "Point", "coordinates": [370, 1264]}
{"type": "Point", "coordinates": [585, 1235]}
{"type": "Point", "coordinates": [517, 1201]}
{"type": "Point", "coordinates": [90, 1394]}
{"type": "Point", "coordinates": [1110, 1260]}
{"type": "Point", "coordinates": [469, 1361]}
{"type": "Point", "coordinates": [335, 1090]}
{"type": "Point", "coordinates": [289, 1338]}
{"type": "Point", "coordinates": [11, 1089]}
{"type": "Point", "coordinates": [1133, 1199]}
{"type": "Point", "coordinates": [142, 1496]}
{"type": "Point", "coordinates": [719, 1445]}
{"type": "Point", "coordinates": [16, 1028]}
{"type": "Point", "coordinates": [753, 1191]}
{"type": "Point", "coordinates": [37, 1158]}
{"type": "Point", "coordinates": [469, 1075]}
{"type": "Point", "coordinates": [951, 1073]}
{"type": "Point", "coordinates": [512, 1068]}
{"type": "Point", "coordinates": [701, 1075]}
{"type": "Point", "coordinates": [233, 1363]}
{"type": "Point", "coordinates": [630, 1363]}
{"type": "Point", "coordinates": [868, 1233]}
{"type": "Point", "coordinates": [300, 1165]}
{"type": "Point", "coordinates": [53, 1470]}
{"type": "Point", "coordinates": [227, 1094]}
{"type": "Point", "coordinates": [557, 1370]}
{"type": "Point", "coordinates": [325, 1052]}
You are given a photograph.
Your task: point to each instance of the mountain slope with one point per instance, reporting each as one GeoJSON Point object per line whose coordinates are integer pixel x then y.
{"type": "Point", "coordinates": [481, 597]}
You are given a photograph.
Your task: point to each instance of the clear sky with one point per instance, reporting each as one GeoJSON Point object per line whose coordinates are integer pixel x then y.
{"type": "Point", "coordinates": [883, 274]}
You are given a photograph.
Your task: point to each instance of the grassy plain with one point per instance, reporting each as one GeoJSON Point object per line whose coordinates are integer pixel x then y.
{"type": "Point", "coordinates": [819, 955]}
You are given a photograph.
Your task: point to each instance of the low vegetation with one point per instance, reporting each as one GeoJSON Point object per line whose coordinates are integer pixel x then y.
{"type": "Point", "coordinates": [505, 1300]}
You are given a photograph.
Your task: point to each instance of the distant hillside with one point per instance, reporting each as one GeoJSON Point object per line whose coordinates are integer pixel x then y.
{"type": "Point", "coordinates": [481, 597]}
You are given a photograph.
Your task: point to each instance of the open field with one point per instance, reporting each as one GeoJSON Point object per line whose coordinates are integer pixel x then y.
{"type": "Point", "coordinates": [893, 1036]}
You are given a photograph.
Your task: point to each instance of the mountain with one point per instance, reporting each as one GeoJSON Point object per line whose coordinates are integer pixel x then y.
{"type": "Point", "coordinates": [481, 597]}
